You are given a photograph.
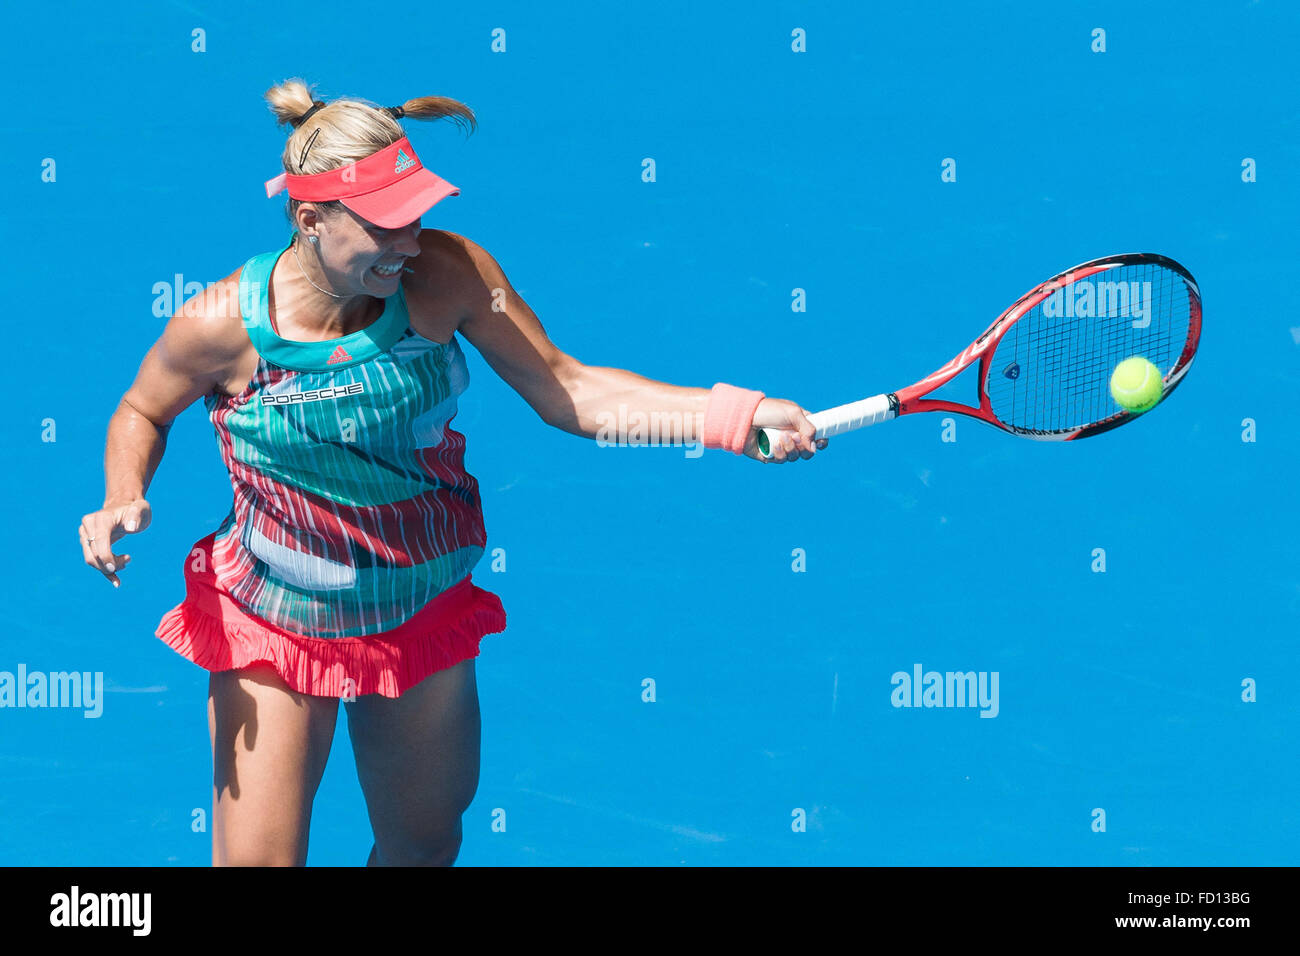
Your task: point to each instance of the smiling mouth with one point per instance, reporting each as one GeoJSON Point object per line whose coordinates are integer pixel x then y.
{"type": "Point", "coordinates": [388, 271]}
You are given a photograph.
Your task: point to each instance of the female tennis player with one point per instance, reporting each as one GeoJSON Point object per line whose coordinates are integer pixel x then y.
{"type": "Point", "coordinates": [330, 370]}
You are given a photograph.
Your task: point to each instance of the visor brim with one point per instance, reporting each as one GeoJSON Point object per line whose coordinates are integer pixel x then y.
{"type": "Point", "coordinates": [403, 202]}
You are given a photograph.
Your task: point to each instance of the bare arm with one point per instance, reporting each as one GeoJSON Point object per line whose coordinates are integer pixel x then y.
{"type": "Point", "coordinates": [617, 405]}
{"type": "Point", "coordinates": [132, 452]}
{"type": "Point", "coordinates": [592, 401]}
{"type": "Point", "coordinates": [194, 355]}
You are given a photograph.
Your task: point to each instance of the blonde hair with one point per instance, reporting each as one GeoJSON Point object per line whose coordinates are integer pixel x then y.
{"type": "Point", "coordinates": [346, 129]}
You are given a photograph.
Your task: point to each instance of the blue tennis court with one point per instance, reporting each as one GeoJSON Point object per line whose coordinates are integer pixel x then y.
{"type": "Point", "coordinates": [700, 658]}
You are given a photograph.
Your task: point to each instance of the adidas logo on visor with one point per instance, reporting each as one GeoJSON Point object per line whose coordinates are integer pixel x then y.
{"type": "Point", "coordinates": [403, 161]}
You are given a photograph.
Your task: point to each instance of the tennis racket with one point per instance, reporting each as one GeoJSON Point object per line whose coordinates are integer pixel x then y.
{"type": "Point", "coordinates": [1045, 363]}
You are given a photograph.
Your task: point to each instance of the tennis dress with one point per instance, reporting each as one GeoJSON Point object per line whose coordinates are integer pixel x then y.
{"type": "Point", "coordinates": [345, 559]}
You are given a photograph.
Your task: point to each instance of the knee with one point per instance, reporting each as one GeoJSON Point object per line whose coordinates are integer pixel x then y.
{"type": "Point", "coordinates": [443, 855]}
{"type": "Point", "coordinates": [257, 857]}
{"type": "Point", "coordinates": [439, 852]}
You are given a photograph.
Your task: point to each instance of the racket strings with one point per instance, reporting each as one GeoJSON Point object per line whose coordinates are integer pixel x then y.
{"type": "Point", "coordinates": [1050, 372]}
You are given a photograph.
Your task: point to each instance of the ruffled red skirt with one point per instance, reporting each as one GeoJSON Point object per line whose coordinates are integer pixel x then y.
{"type": "Point", "coordinates": [211, 630]}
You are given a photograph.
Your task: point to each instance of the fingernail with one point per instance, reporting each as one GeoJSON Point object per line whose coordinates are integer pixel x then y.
{"type": "Point", "coordinates": [110, 567]}
{"type": "Point", "coordinates": [130, 525]}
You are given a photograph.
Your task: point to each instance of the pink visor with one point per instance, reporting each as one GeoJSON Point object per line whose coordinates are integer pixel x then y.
{"type": "Point", "coordinates": [389, 188]}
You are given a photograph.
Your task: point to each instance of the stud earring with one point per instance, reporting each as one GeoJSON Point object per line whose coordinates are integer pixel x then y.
{"type": "Point", "coordinates": [313, 240]}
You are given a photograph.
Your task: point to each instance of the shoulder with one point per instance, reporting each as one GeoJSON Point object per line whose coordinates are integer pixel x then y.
{"type": "Point", "coordinates": [202, 350]}
{"type": "Point", "coordinates": [449, 243]}
{"type": "Point", "coordinates": [212, 319]}
{"type": "Point", "coordinates": [450, 256]}
{"type": "Point", "coordinates": [208, 336]}
{"type": "Point", "coordinates": [449, 280]}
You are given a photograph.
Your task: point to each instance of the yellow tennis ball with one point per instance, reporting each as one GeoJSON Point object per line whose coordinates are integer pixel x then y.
{"type": "Point", "coordinates": [1136, 385]}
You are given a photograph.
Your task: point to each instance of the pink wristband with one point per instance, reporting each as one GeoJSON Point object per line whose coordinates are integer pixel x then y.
{"type": "Point", "coordinates": [729, 416]}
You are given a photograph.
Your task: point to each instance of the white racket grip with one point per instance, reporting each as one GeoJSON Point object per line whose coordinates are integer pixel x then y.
{"type": "Point", "coordinates": [835, 421]}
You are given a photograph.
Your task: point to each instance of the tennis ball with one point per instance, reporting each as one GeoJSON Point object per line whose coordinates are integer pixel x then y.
{"type": "Point", "coordinates": [1136, 385]}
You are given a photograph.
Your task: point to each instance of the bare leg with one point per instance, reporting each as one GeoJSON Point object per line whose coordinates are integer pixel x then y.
{"type": "Point", "coordinates": [269, 749]}
{"type": "Point", "coordinates": [418, 764]}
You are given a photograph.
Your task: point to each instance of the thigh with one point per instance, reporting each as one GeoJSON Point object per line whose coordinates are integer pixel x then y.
{"type": "Point", "coordinates": [269, 749]}
{"type": "Point", "coordinates": [418, 762]}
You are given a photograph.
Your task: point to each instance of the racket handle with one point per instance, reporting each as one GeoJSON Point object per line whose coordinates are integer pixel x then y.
{"type": "Point", "coordinates": [835, 421]}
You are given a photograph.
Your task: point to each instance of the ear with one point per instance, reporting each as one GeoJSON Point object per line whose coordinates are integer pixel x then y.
{"type": "Point", "coordinates": [307, 218]}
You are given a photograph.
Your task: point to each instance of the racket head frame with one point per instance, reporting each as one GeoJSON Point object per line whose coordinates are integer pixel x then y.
{"type": "Point", "coordinates": [910, 400]}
